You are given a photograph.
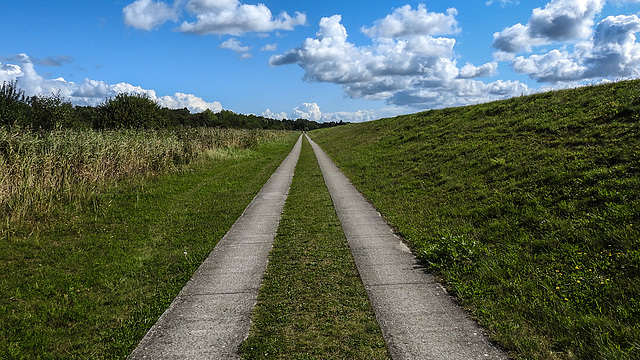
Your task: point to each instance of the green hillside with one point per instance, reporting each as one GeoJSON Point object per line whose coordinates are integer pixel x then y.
{"type": "Point", "coordinates": [528, 209]}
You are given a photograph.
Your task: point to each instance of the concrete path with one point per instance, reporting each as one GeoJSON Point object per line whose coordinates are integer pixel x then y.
{"type": "Point", "coordinates": [418, 318]}
{"type": "Point", "coordinates": [211, 316]}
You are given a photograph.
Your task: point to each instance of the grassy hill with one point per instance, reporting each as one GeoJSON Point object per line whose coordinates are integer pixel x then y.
{"type": "Point", "coordinates": [528, 209]}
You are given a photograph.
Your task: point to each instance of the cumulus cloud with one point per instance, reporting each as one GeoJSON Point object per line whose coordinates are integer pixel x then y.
{"type": "Point", "coordinates": [560, 20]}
{"type": "Point", "coordinates": [90, 92]}
{"type": "Point", "coordinates": [611, 52]}
{"type": "Point", "coordinates": [586, 50]}
{"type": "Point", "coordinates": [470, 71]}
{"type": "Point", "coordinates": [271, 115]}
{"type": "Point", "coordinates": [406, 22]}
{"type": "Point", "coordinates": [189, 101]}
{"type": "Point", "coordinates": [148, 14]}
{"type": "Point", "coordinates": [309, 111]}
{"type": "Point", "coordinates": [615, 51]}
{"type": "Point", "coordinates": [229, 17]}
{"type": "Point", "coordinates": [234, 18]}
{"type": "Point", "coordinates": [406, 63]}
{"type": "Point", "coordinates": [9, 72]}
{"type": "Point", "coordinates": [551, 67]}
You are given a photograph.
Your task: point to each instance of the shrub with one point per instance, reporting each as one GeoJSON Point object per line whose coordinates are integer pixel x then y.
{"type": "Point", "coordinates": [50, 112]}
{"type": "Point", "coordinates": [130, 111]}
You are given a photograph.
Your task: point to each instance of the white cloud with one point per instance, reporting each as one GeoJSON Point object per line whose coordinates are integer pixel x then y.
{"type": "Point", "coordinates": [470, 71]}
{"type": "Point", "coordinates": [271, 115]}
{"type": "Point", "coordinates": [220, 17]}
{"type": "Point", "coordinates": [189, 101]}
{"type": "Point", "coordinates": [234, 18]}
{"type": "Point", "coordinates": [329, 57]}
{"type": "Point", "coordinates": [615, 52]}
{"type": "Point", "coordinates": [416, 69]}
{"type": "Point", "coordinates": [91, 92]}
{"type": "Point", "coordinates": [365, 115]}
{"type": "Point", "coordinates": [203, 6]}
{"type": "Point", "coordinates": [269, 47]}
{"type": "Point", "coordinates": [405, 22]}
{"type": "Point", "coordinates": [585, 51]}
{"type": "Point", "coordinates": [458, 92]}
{"type": "Point", "coordinates": [501, 2]}
{"type": "Point", "coordinates": [9, 72]}
{"type": "Point", "coordinates": [148, 14]}
{"type": "Point", "coordinates": [515, 39]}
{"type": "Point", "coordinates": [560, 20]}
{"type": "Point", "coordinates": [551, 67]}
{"type": "Point", "coordinates": [309, 111]}
{"type": "Point", "coordinates": [611, 52]}
{"type": "Point", "coordinates": [563, 20]}
{"type": "Point", "coordinates": [234, 45]}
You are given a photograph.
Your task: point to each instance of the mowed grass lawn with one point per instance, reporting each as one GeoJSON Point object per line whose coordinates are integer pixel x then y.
{"type": "Point", "coordinates": [91, 284]}
{"type": "Point", "coordinates": [528, 209]}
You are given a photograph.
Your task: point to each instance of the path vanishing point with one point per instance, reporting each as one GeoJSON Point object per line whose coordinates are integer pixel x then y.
{"type": "Point", "coordinates": [211, 315]}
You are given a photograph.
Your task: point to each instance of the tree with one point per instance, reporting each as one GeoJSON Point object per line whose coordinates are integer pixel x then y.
{"type": "Point", "coordinates": [14, 107]}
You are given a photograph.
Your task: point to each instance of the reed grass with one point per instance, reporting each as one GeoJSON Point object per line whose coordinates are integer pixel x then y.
{"type": "Point", "coordinates": [41, 172]}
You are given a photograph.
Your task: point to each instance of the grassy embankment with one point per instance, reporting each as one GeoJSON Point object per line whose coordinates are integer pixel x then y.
{"type": "Point", "coordinates": [312, 304]}
{"type": "Point", "coordinates": [528, 209]}
{"type": "Point", "coordinates": [102, 229]}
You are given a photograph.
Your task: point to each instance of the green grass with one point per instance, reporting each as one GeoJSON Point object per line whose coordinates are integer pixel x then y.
{"type": "Point", "coordinates": [91, 284]}
{"type": "Point", "coordinates": [528, 209]}
{"type": "Point", "coordinates": [312, 304]}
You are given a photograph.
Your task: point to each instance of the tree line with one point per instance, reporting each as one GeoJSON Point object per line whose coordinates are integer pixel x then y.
{"type": "Point", "coordinates": [125, 111]}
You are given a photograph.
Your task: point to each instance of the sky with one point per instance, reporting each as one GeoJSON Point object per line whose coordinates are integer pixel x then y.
{"type": "Point", "coordinates": [327, 60]}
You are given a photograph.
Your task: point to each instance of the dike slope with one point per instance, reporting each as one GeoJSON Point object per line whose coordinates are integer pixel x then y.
{"type": "Point", "coordinates": [527, 209]}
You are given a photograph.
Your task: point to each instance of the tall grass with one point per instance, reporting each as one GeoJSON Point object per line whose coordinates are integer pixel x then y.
{"type": "Point", "coordinates": [40, 172]}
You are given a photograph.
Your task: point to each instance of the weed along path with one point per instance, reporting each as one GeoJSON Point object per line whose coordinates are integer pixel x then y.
{"type": "Point", "coordinates": [417, 317]}
{"type": "Point", "coordinates": [211, 314]}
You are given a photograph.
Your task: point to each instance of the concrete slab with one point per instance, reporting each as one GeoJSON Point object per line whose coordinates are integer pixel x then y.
{"type": "Point", "coordinates": [419, 320]}
{"type": "Point", "coordinates": [211, 315]}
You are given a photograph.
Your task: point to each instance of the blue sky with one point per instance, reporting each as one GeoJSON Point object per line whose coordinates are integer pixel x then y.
{"type": "Point", "coordinates": [322, 60]}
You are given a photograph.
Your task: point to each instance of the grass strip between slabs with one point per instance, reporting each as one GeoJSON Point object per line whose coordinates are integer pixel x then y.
{"type": "Point", "coordinates": [312, 303]}
{"type": "Point", "coordinates": [91, 286]}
